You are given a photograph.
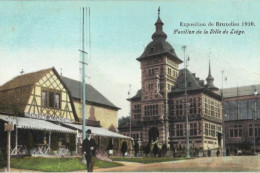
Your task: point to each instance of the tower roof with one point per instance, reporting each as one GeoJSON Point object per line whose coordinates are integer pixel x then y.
{"type": "Point", "coordinates": [210, 80]}
{"type": "Point", "coordinates": [159, 45]}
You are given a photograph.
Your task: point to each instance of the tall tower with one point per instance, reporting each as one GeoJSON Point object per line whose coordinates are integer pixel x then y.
{"type": "Point", "coordinates": [159, 70]}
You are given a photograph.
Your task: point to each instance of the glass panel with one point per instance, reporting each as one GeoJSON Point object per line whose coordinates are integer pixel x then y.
{"type": "Point", "coordinates": [44, 98]}
{"type": "Point", "coordinates": [51, 99]}
{"type": "Point", "coordinates": [57, 100]}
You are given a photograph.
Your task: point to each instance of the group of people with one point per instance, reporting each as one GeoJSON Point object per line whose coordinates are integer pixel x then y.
{"type": "Point", "coordinates": [89, 147]}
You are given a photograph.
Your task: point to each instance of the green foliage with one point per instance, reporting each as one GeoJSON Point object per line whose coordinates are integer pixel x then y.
{"type": "Point", "coordinates": [72, 144]}
{"type": "Point", "coordinates": [3, 157]}
{"type": "Point", "coordinates": [110, 145]}
{"type": "Point", "coordinates": [29, 141]}
{"type": "Point", "coordinates": [147, 160]}
{"type": "Point", "coordinates": [146, 149]}
{"type": "Point", "coordinates": [54, 142]}
{"type": "Point", "coordinates": [124, 147]}
{"type": "Point", "coordinates": [136, 148]}
{"type": "Point", "coordinates": [56, 164]}
{"type": "Point", "coordinates": [155, 149]}
{"type": "Point", "coordinates": [123, 121]}
{"type": "Point", "coordinates": [164, 149]}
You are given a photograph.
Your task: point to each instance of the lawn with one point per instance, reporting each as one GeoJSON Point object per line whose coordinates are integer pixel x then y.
{"type": "Point", "coordinates": [56, 164]}
{"type": "Point", "coordinates": [147, 160]}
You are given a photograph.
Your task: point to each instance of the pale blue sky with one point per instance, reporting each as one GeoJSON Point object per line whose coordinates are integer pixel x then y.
{"type": "Point", "coordinates": [41, 34]}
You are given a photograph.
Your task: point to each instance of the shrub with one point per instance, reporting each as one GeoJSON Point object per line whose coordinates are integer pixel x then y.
{"type": "Point", "coordinates": [29, 141]}
{"type": "Point", "coordinates": [164, 149]}
{"type": "Point", "coordinates": [155, 150]}
{"type": "Point", "coordinates": [123, 148]}
{"type": "Point", "coordinates": [54, 142]}
{"type": "Point", "coordinates": [136, 148]}
{"type": "Point", "coordinates": [146, 149]}
{"type": "Point", "coordinates": [72, 144]}
{"type": "Point", "coordinates": [3, 157]}
{"type": "Point", "coordinates": [110, 145]}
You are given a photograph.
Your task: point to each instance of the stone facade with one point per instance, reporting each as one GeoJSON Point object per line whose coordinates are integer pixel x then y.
{"type": "Point", "coordinates": [157, 109]}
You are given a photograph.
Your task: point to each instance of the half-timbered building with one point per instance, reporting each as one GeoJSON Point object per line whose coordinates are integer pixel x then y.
{"type": "Point", "coordinates": [37, 103]}
{"type": "Point", "coordinates": [49, 106]}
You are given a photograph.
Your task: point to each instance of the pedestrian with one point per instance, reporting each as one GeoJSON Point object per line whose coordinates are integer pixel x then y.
{"type": "Point", "coordinates": [218, 152]}
{"type": "Point", "coordinates": [89, 150]}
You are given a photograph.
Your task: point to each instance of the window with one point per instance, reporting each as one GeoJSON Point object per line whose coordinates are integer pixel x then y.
{"type": "Point", "coordinates": [179, 129]}
{"type": "Point", "coordinates": [51, 99]}
{"type": "Point", "coordinates": [193, 129]}
{"type": "Point", "coordinates": [44, 98]}
{"type": "Point", "coordinates": [169, 87]}
{"type": "Point", "coordinates": [235, 130]}
{"type": "Point", "coordinates": [57, 100]}
{"type": "Point", "coordinates": [151, 110]}
{"type": "Point", "coordinates": [169, 71]}
{"type": "Point", "coordinates": [212, 130]}
{"type": "Point", "coordinates": [257, 130]}
{"type": "Point", "coordinates": [206, 129]}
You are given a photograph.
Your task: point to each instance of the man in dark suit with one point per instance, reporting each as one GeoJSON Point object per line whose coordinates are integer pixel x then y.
{"type": "Point", "coordinates": [89, 147]}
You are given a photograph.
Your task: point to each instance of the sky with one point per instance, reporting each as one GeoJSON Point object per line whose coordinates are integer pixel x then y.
{"type": "Point", "coordinates": [36, 35]}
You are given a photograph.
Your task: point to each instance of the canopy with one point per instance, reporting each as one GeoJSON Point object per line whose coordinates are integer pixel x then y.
{"type": "Point", "coordinates": [98, 131]}
{"type": "Point", "coordinates": [36, 124]}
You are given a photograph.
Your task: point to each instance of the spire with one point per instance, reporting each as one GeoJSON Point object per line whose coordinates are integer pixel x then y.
{"type": "Point", "coordinates": [209, 69]}
{"type": "Point", "coordinates": [210, 79]}
{"type": "Point", "coordinates": [159, 34]}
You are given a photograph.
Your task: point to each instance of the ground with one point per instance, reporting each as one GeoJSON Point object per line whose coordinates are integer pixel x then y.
{"type": "Point", "coordinates": [205, 164]}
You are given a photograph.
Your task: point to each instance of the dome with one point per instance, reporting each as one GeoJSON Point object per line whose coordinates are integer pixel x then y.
{"type": "Point", "coordinates": [159, 45]}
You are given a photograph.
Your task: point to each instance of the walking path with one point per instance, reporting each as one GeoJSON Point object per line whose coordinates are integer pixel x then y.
{"type": "Point", "coordinates": [205, 164]}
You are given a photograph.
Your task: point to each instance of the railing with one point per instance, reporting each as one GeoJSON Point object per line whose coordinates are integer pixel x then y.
{"type": "Point", "coordinates": [41, 150]}
{"type": "Point", "coordinates": [19, 150]}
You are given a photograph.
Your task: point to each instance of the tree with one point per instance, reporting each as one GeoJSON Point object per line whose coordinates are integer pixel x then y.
{"type": "Point", "coordinates": [155, 150]}
{"type": "Point", "coordinates": [136, 148]}
{"type": "Point", "coordinates": [123, 121]}
{"type": "Point", "coordinates": [124, 148]}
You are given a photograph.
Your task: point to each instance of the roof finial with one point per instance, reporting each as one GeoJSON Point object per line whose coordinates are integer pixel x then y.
{"type": "Point", "coordinates": [159, 11]}
{"type": "Point", "coordinates": [209, 64]}
{"type": "Point", "coordinates": [22, 72]}
{"type": "Point", "coordinates": [61, 71]}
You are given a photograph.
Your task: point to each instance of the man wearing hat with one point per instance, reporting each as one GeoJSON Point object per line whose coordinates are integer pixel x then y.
{"type": "Point", "coordinates": [89, 147]}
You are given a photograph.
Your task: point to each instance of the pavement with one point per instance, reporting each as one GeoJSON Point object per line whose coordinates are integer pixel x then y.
{"type": "Point", "coordinates": [205, 164]}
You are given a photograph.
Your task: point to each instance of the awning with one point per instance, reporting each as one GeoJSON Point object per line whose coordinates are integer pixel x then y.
{"type": "Point", "coordinates": [98, 131]}
{"type": "Point", "coordinates": [36, 124]}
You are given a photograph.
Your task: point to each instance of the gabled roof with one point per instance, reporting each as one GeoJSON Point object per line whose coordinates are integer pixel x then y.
{"type": "Point", "coordinates": [193, 83]}
{"type": "Point", "coordinates": [137, 96]}
{"type": "Point", "coordinates": [240, 91]}
{"type": "Point", "coordinates": [14, 94]}
{"type": "Point", "coordinates": [24, 80]}
{"type": "Point", "coordinates": [92, 95]}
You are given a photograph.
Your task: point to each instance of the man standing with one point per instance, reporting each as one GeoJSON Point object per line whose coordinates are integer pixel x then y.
{"type": "Point", "coordinates": [89, 150]}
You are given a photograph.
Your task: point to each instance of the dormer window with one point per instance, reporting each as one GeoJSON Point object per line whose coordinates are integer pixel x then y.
{"type": "Point", "coordinates": [152, 49]}
{"type": "Point", "coordinates": [51, 99]}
